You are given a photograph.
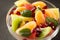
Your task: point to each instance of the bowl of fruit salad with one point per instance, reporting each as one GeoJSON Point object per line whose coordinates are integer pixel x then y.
{"type": "Point", "coordinates": [38, 20]}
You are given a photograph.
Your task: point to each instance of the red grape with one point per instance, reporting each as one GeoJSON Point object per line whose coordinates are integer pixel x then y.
{"type": "Point", "coordinates": [44, 25]}
{"type": "Point", "coordinates": [45, 7]}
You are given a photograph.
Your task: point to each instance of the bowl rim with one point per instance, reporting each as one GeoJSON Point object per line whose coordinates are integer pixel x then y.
{"type": "Point", "coordinates": [48, 37]}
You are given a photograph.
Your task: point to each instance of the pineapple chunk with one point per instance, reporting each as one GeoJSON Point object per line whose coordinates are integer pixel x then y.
{"type": "Point", "coordinates": [24, 18]}
{"type": "Point", "coordinates": [21, 3]}
{"type": "Point", "coordinates": [30, 25]}
{"type": "Point", "coordinates": [39, 4]}
{"type": "Point", "coordinates": [39, 17]}
{"type": "Point", "coordinates": [27, 18]}
{"type": "Point", "coordinates": [56, 12]}
{"type": "Point", "coordinates": [52, 12]}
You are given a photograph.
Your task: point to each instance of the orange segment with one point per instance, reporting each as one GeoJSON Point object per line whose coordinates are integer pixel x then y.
{"type": "Point", "coordinates": [39, 17]}
{"type": "Point", "coordinates": [39, 3]}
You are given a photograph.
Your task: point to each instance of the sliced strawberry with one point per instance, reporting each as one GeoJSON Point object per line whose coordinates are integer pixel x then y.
{"type": "Point", "coordinates": [29, 6]}
{"type": "Point", "coordinates": [33, 35]}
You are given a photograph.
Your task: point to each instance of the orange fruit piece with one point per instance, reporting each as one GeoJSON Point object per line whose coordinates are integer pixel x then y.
{"type": "Point", "coordinates": [39, 17]}
{"type": "Point", "coordinates": [39, 4]}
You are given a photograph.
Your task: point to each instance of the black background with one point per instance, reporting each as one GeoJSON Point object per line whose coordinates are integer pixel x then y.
{"type": "Point", "coordinates": [5, 5]}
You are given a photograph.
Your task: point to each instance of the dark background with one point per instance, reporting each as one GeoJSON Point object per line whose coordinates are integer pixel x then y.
{"type": "Point", "coordinates": [5, 5]}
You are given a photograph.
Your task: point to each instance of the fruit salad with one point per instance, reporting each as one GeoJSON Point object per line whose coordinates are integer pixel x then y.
{"type": "Point", "coordinates": [33, 20]}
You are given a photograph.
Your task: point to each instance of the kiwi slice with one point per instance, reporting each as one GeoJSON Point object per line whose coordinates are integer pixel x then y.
{"type": "Point", "coordinates": [16, 21]}
{"type": "Point", "coordinates": [45, 32]}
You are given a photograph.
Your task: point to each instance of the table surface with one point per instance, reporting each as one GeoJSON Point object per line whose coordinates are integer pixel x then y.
{"type": "Point", "coordinates": [5, 5]}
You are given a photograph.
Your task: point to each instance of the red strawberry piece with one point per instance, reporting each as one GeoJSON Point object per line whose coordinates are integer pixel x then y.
{"type": "Point", "coordinates": [29, 6]}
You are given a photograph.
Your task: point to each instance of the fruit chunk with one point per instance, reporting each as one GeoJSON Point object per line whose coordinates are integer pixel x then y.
{"type": "Point", "coordinates": [30, 25]}
{"type": "Point", "coordinates": [21, 3]}
{"type": "Point", "coordinates": [39, 3]}
{"type": "Point", "coordinates": [52, 13]}
{"type": "Point", "coordinates": [22, 24]}
{"type": "Point", "coordinates": [56, 12]}
{"type": "Point", "coordinates": [26, 13]}
{"type": "Point", "coordinates": [39, 17]}
{"type": "Point", "coordinates": [32, 36]}
{"type": "Point", "coordinates": [45, 32]}
{"type": "Point", "coordinates": [25, 32]}
{"type": "Point", "coordinates": [26, 18]}
{"type": "Point", "coordinates": [16, 21]}
{"type": "Point", "coordinates": [55, 22]}
{"type": "Point", "coordinates": [20, 9]}
{"type": "Point", "coordinates": [29, 6]}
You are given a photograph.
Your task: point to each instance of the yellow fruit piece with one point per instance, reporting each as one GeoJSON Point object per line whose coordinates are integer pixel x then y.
{"type": "Point", "coordinates": [19, 9]}
{"type": "Point", "coordinates": [21, 2]}
{"type": "Point", "coordinates": [30, 25]}
{"type": "Point", "coordinates": [39, 4]}
{"type": "Point", "coordinates": [27, 18]}
{"type": "Point", "coordinates": [22, 24]}
{"type": "Point", "coordinates": [39, 17]}
{"type": "Point", "coordinates": [54, 13]}
{"type": "Point", "coordinates": [24, 18]}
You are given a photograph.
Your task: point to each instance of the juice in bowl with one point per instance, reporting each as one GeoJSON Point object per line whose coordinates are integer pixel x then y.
{"type": "Point", "coordinates": [33, 21]}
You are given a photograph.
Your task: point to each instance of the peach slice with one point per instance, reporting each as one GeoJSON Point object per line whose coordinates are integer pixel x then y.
{"type": "Point", "coordinates": [39, 3]}
{"type": "Point", "coordinates": [30, 25]}
{"type": "Point", "coordinates": [39, 17]}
